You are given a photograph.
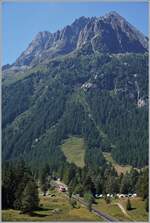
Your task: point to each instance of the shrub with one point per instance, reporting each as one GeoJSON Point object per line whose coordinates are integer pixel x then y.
{"type": "Point", "coordinates": [73, 203]}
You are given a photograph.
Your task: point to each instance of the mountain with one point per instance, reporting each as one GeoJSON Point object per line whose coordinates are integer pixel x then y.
{"type": "Point", "coordinates": [46, 44]}
{"type": "Point", "coordinates": [89, 80]}
{"type": "Point", "coordinates": [107, 34]}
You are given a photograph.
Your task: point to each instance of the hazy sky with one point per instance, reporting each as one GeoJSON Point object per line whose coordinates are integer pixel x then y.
{"type": "Point", "coordinates": [22, 21]}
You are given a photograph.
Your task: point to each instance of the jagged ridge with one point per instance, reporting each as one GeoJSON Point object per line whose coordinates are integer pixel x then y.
{"type": "Point", "coordinates": [107, 34]}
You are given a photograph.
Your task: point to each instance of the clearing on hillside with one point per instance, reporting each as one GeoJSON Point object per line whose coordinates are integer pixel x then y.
{"type": "Point", "coordinates": [119, 168]}
{"type": "Point", "coordinates": [74, 150]}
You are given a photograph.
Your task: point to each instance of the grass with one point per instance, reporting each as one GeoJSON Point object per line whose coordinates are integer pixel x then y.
{"type": "Point", "coordinates": [137, 213]}
{"type": "Point", "coordinates": [119, 168]}
{"type": "Point", "coordinates": [12, 77]}
{"type": "Point", "coordinates": [46, 213]}
{"type": "Point", "coordinates": [74, 150]}
{"type": "Point", "coordinates": [111, 209]}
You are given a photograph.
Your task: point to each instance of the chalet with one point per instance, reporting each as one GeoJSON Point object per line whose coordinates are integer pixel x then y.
{"type": "Point", "coordinates": [62, 188]}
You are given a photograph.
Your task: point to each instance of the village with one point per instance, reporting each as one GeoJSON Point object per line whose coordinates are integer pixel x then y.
{"type": "Point", "coordinates": [64, 188]}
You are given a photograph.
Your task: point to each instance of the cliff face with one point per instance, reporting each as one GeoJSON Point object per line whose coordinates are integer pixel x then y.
{"type": "Point", "coordinates": [107, 34]}
{"type": "Point", "coordinates": [112, 34]}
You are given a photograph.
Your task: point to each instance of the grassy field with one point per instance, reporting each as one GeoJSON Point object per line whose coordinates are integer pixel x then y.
{"type": "Point", "coordinates": [57, 208]}
{"type": "Point", "coordinates": [74, 150]}
{"type": "Point", "coordinates": [53, 209]}
{"type": "Point", "coordinates": [138, 212]}
{"type": "Point", "coordinates": [119, 168]}
{"type": "Point", "coordinates": [111, 209]}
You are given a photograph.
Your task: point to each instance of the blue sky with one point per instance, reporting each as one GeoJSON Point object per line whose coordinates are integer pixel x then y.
{"type": "Point", "coordinates": [22, 21]}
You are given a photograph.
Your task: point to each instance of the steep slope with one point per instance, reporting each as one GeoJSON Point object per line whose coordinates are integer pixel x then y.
{"type": "Point", "coordinates": [88, 80]}
{"type": "Point", "coordinates": [107, 34]}
{"type": "Point", "coordinates": [47, 44]}
{"type": "Point", "coordinates": [94, 96]}
{"type": "Point", "coordinates": [112, 34]}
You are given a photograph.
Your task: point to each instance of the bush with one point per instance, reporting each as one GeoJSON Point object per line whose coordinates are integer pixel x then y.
{"type": "Point", "coordinates": [73, 203]}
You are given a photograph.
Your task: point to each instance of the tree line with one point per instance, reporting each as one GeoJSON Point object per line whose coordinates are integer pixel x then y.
{"type": "Point", "coordinates": [21, 187]}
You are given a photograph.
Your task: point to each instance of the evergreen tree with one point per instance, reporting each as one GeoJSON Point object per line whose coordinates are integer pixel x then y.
{"type": "Point", "coordinates": [89, 199]}
{"type": "Point", "coordinates": [30, 199]}
{"type": "Point", "coordinates": [70, 191]}
{"type": "Point", "coordinates": [89, 185]}
{"type": "Point", "coordinates": [112, 185]}
{"type": "Point", "coordinates": [128, 206]}
{"type": "Point", "coordinates": [126, 184]}
{"type": "Point", "coordinates": [79, 190]}
{"type": "Point", "coordinates": [8, 185]}
{"type": "Point", "coordinates": [44, 179]}
{"type": "Point", "coordinates": [142, 184]}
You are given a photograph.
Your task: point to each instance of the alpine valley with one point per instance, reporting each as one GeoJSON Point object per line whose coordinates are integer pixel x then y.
{"type": "Point", "coordinates": [86, 84]}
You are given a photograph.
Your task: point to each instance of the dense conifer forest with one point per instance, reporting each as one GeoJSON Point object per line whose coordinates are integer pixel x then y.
{"type": "Point", "coordinates": [92, 96]}
{"type": "Point", "coordinates": [80, 86]}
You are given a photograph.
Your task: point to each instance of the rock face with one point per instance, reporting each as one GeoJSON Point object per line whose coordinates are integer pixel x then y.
{"type": "Point", "coordinates": [108, 34]}
{"type": "Point", "coordinates": [47, 44]}
{"type": "Point", "coordinates": [112, 34]}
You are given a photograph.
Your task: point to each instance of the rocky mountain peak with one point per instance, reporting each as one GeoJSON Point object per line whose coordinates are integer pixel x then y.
{"type": "Point", "coordinates": [113, 14]}
{"type": "Point", "coordinates": [110, 33]}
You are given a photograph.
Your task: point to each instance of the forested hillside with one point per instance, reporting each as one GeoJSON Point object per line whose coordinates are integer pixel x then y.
{"type": "Point", "coordinates": [100, 97]}
{"type": "Point", "coordinates": [80, 86]}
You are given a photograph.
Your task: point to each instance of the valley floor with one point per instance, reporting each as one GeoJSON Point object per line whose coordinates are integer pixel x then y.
{"type": "Point", "coordinates": [56, 207]}
{"type": "Point", "coordinates": [117, 209]}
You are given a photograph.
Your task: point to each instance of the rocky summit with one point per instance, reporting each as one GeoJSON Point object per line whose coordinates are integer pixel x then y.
{"type": "Point", "coordinates": [106, 34]}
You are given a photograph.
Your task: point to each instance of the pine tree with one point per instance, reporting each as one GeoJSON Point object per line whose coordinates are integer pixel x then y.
{"type": "Point", "coordinates": [79, 190]}
{"type": "Point", "coordinates": [70, 191]}
{"type": "Point", "coordinates": [142, 184]}
{"type": "Point", "coordinates": [44, 179]}
{"type": "Point", "coordinates": [129, 207]}
{"type": "Point", "coordinates": [88, 197]}
{"type": "Point", "coordinates": [8, 185]}
{"type": "Point", "coordinates": [30, 199]}
{"type": "Point", "coordinates": [89, 185]}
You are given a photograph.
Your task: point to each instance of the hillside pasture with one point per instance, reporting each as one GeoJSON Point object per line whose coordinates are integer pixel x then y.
{"type": "Point", "coordinates": [74, 150]}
